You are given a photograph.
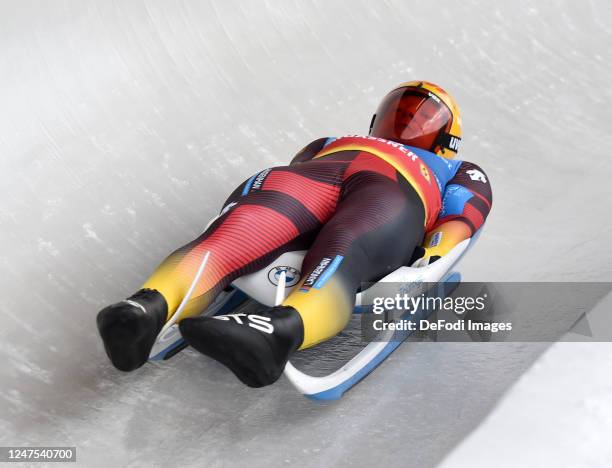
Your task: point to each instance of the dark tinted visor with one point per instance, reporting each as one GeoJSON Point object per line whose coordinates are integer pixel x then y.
{"type": "Point", "coordinates": [412, 117]}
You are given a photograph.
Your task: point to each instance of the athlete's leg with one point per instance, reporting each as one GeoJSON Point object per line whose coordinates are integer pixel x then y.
{"type": "Point", "coordinates": [378, 223]}
{"type": "Point", "coordinates": [375, 230]}
{"type": "Point", "coordinates": [277, 210]}
{"type": "Point", "coordinates": [173, 282]}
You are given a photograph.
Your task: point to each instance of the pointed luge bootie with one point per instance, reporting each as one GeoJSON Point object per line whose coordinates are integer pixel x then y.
{"type": "Point", "coordinates": [129, 328]}
{"type": "Point", "coordinates": [255, 347]}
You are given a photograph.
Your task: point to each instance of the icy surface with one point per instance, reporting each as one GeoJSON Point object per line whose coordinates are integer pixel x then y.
{"type": "Point", "coordinates": [123, 126]}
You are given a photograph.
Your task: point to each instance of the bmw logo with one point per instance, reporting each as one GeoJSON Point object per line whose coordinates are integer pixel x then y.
{"type": "Point", "coordinates": [292, 275]}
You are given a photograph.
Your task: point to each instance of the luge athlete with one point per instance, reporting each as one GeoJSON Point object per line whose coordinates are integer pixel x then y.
{"type": "Point", "coordinates": [363, 206]}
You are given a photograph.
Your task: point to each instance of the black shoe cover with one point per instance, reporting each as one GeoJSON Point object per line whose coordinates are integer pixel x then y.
{"type": "Point", "coordinates": [129, 328]}
{"type": "Point", "coordinates": [255, 347]}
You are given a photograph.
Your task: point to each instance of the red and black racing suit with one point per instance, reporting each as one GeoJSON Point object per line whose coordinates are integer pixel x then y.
{"type": "Point", "coordinates": [360, 206]}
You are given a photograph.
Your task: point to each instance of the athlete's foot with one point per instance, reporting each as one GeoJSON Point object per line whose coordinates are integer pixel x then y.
{"type": "Point", "coordinates": [129, 328]}
{"type": "Point", "coordinates": [255, 347]}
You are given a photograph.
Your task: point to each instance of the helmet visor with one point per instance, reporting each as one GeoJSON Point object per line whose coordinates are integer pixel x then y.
{"type": "Point", "coordinates": [412, 117]}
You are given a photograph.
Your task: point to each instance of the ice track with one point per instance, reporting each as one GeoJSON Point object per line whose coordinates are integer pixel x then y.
{"type": "Point", "coordinates": [123, 126]}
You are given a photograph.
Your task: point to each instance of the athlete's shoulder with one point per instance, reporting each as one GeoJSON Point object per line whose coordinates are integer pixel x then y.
{"type": "Point", "coordinates": [311, 149]}
{"type": "Point", "coordinates": [473, 177]}
{"type": "Point", "coordinates": [472, 171]}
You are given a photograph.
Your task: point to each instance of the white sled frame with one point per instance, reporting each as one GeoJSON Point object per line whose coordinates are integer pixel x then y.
{"type": "Point", "coordinates": [334, 385]}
